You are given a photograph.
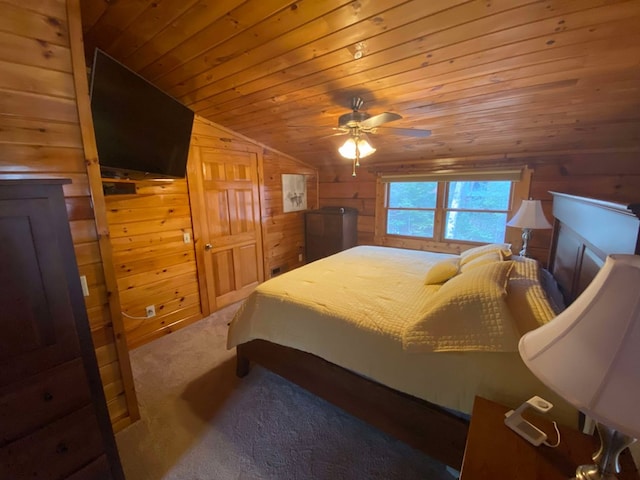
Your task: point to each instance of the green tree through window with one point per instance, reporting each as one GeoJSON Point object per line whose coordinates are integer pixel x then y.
{"type": "Point", "coordinates": [473, 211]}
{"type": "Point", "coordinates": [477, 211]}
{"type": "Point", "coordinates": [411, 210]}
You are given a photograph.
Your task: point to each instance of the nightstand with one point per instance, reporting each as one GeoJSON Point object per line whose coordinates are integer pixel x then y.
{"type": "Point", "coordinates": [493, 451]}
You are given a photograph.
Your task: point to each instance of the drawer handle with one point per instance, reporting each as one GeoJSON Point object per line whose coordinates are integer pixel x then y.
{"type": "Point", "coordinates": [62, 448]}
{"type": "Point", "coordinates": [47, 397]}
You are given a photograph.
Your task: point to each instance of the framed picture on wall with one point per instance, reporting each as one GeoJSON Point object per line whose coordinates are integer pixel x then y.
{"type": "Point", "coordinates": [294, 192]}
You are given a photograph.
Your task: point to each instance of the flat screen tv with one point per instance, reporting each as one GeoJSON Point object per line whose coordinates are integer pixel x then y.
{"type": "Point", "coordinates": [141, 132]}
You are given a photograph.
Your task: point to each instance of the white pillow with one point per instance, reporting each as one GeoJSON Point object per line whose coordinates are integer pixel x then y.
{"type": "Point", "coordinates": [442, 271]}
{"type": "Point", "coordinates": [482, 259]}
{"type": "Point", "coordinates": [469, 313]}
{"type": "Point", "coordinates": [471, 253]}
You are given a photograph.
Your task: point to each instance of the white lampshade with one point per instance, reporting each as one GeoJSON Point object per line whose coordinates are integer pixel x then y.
{"type": "Point", "coordinates": [348, 149]}
{"type": "Point", "coordinates": [590, 353]}
{"type": "Point", "coordinates": [529, 215]}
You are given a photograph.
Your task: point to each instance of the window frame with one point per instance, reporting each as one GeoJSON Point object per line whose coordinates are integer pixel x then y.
{"type": "Point", "coordinates": [519, 191]}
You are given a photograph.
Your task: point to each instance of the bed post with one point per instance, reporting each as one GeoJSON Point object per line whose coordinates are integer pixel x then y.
{"type": "Point", "coordinates": [242, 362]}
{"type": "Point", "coordinates": [635, 208]}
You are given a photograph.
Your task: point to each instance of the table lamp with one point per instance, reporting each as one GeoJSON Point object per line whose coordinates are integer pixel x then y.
{"type": "Point", "coordinates": [590, 356]}
{"type": "Point", "coordinates": [528, 217]}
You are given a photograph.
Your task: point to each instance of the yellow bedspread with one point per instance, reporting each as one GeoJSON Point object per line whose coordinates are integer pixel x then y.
{"type": "Point", "coordinates": [375, 289]}
{"type": "Point", "coordinates": [354, 308]}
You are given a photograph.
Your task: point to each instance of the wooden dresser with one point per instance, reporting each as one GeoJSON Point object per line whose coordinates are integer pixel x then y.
{"type": "Point", "coordinates": [54, 422]}
{"type": "Point", "coordinates": [330, 230]}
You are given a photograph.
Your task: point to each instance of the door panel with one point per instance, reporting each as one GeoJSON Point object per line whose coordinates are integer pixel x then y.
{"type": "Point", "coordinates": [247, 259]}
{"type": "Point", "coordinates": [217, 214]}
{"type": "Point", "coordinates": [244, 222]}
{"type": "Point", "coordinates": [223, 272]}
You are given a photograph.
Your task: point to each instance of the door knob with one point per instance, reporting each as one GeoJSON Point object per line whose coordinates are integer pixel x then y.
{"type": "Point", "coordinates": [208, 247]}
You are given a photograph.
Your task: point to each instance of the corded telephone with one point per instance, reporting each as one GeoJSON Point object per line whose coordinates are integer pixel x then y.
{"type": "Point", "coordinates": [522, 427]}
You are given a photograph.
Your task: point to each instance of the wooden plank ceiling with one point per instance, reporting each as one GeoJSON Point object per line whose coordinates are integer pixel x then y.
{"type": "Point", "coordinates": [490, 78]}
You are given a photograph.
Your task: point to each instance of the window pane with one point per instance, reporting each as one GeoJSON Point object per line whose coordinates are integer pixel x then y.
{"type": "Point", "coordinates": [479, 195]}
{"type": "Point", "coordinates": [475, 226]}
{"type": "Point", "coordinates": [413, 194]}
{"type": "Point", "coordinates": [414, 223]}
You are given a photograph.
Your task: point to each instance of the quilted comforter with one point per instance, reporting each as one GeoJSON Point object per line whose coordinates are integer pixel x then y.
{"type": "Point", "coordinates": [368, 309]}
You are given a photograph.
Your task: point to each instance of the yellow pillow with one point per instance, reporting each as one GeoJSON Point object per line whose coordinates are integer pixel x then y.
{"type": "Point", "coordinates": [469, 313]}
{"type": "Point", "coordinates": [483, 259]}
{"type": "Point", "coordinates": [471, 253]}
{"type": "Point", "coordinates": [442, 271]}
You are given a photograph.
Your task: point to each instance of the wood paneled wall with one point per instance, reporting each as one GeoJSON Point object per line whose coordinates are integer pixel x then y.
{"type": "Point", "coordinates": [153, 264]}
{"type": "Point", "coordinates": [338, 188]}
{"type": "Point", "coordinates": [283, 233]}
{"type": "Point", "coordinates": [40, 137]}
{"type": "Point", "coordinates": [608, 176]}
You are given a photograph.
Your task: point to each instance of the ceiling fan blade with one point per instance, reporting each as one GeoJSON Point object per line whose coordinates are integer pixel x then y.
{"type": "Point", "coordinates": [376, 120]}
{"type": "Point", "coordinates": [408, 132]}
{"type": "Point", "coordinates": [334, 135]}
{"type": "Point", "coordinates": [315, 127]}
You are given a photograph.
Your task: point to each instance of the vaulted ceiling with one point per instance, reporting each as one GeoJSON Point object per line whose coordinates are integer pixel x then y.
{"type": "Point", "coordinates": [489, 78]}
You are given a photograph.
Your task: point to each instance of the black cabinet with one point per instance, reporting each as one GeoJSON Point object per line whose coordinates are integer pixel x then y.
{"type": "Point", "coordinates": [330, 230]}
{"type": "Point", "coordinates": [54, 421]}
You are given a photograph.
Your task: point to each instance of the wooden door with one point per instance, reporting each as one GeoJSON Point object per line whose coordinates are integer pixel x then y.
{"type": "Point", "coordinates": [227, 226]}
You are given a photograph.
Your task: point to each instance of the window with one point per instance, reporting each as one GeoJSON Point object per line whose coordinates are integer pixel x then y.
{"type": "Point", "coordinates": [476, 211]}
{"type": "Point", "coordinates": [456, 210]}
{"type": "Point", "coordinates": [411, 209]}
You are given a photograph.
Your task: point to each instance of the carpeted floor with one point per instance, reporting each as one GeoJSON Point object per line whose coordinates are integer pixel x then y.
{"type": "Point", "coordinates": [200, 422]}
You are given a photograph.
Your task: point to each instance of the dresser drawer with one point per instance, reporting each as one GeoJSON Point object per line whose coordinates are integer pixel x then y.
{"type": "Point", "coordinates": [96, 470]}
{"type": "Point", "coordinates": [55, 451]}
{"type": "Point", "coordinates": [41, 399]}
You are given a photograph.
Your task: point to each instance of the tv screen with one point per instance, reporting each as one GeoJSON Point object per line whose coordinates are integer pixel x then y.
{"type": "Point", "coordinates": [141, 132]}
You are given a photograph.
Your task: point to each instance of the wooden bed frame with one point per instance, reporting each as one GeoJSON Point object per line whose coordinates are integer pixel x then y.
{"type": "Point", "coordinates": [585, 231]}
{"type": "Point", "coordinates": [580, 245]}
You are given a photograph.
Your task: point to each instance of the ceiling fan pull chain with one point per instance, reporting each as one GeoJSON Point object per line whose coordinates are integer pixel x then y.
{"type": "Point", "coordinates": [356, 161]}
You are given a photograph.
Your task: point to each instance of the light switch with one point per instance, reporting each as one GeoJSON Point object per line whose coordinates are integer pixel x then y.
{"type": "Point", "coordinates": [186, 238]}
{"type": "Point", "coordinates": [85, 287]}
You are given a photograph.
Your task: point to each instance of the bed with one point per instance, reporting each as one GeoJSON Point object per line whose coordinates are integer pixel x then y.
{"type": "Point", "coordinates": [361, 341]}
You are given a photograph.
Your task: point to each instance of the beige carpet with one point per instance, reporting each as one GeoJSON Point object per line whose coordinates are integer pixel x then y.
{"type": "Point", "coordinates": [200, 422]}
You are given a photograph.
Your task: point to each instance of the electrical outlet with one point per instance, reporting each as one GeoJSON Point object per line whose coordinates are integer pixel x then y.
{"type": "Point", "coordinates": [151, 311]}
{"type": "Point", "coordinates": [186, 238]}
{"type": "Point", "coordinates": [299, 257]}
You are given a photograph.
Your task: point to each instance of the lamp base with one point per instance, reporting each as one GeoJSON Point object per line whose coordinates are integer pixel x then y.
{"type": "Point", "coordinates": [592, 472]}
{"type": "Point", "coordinates": [526, 235]}
{"type": "Point", "coordinates": [607, 464]}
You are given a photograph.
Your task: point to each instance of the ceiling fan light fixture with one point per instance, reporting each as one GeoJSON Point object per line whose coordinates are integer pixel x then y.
{"type": "Point", "coordinates": [348, 149]}
{"type": "Point", "coordinates": [359, 51]}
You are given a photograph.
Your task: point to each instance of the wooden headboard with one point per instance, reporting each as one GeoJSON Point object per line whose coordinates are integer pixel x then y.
{"type": "Point", "coordinates": [585, 231]}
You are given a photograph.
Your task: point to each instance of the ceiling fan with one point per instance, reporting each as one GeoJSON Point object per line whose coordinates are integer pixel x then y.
{"type": "Point", "coordinates": [362, 122]}
{"type": "Point", "coordinates": [357, 124]}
